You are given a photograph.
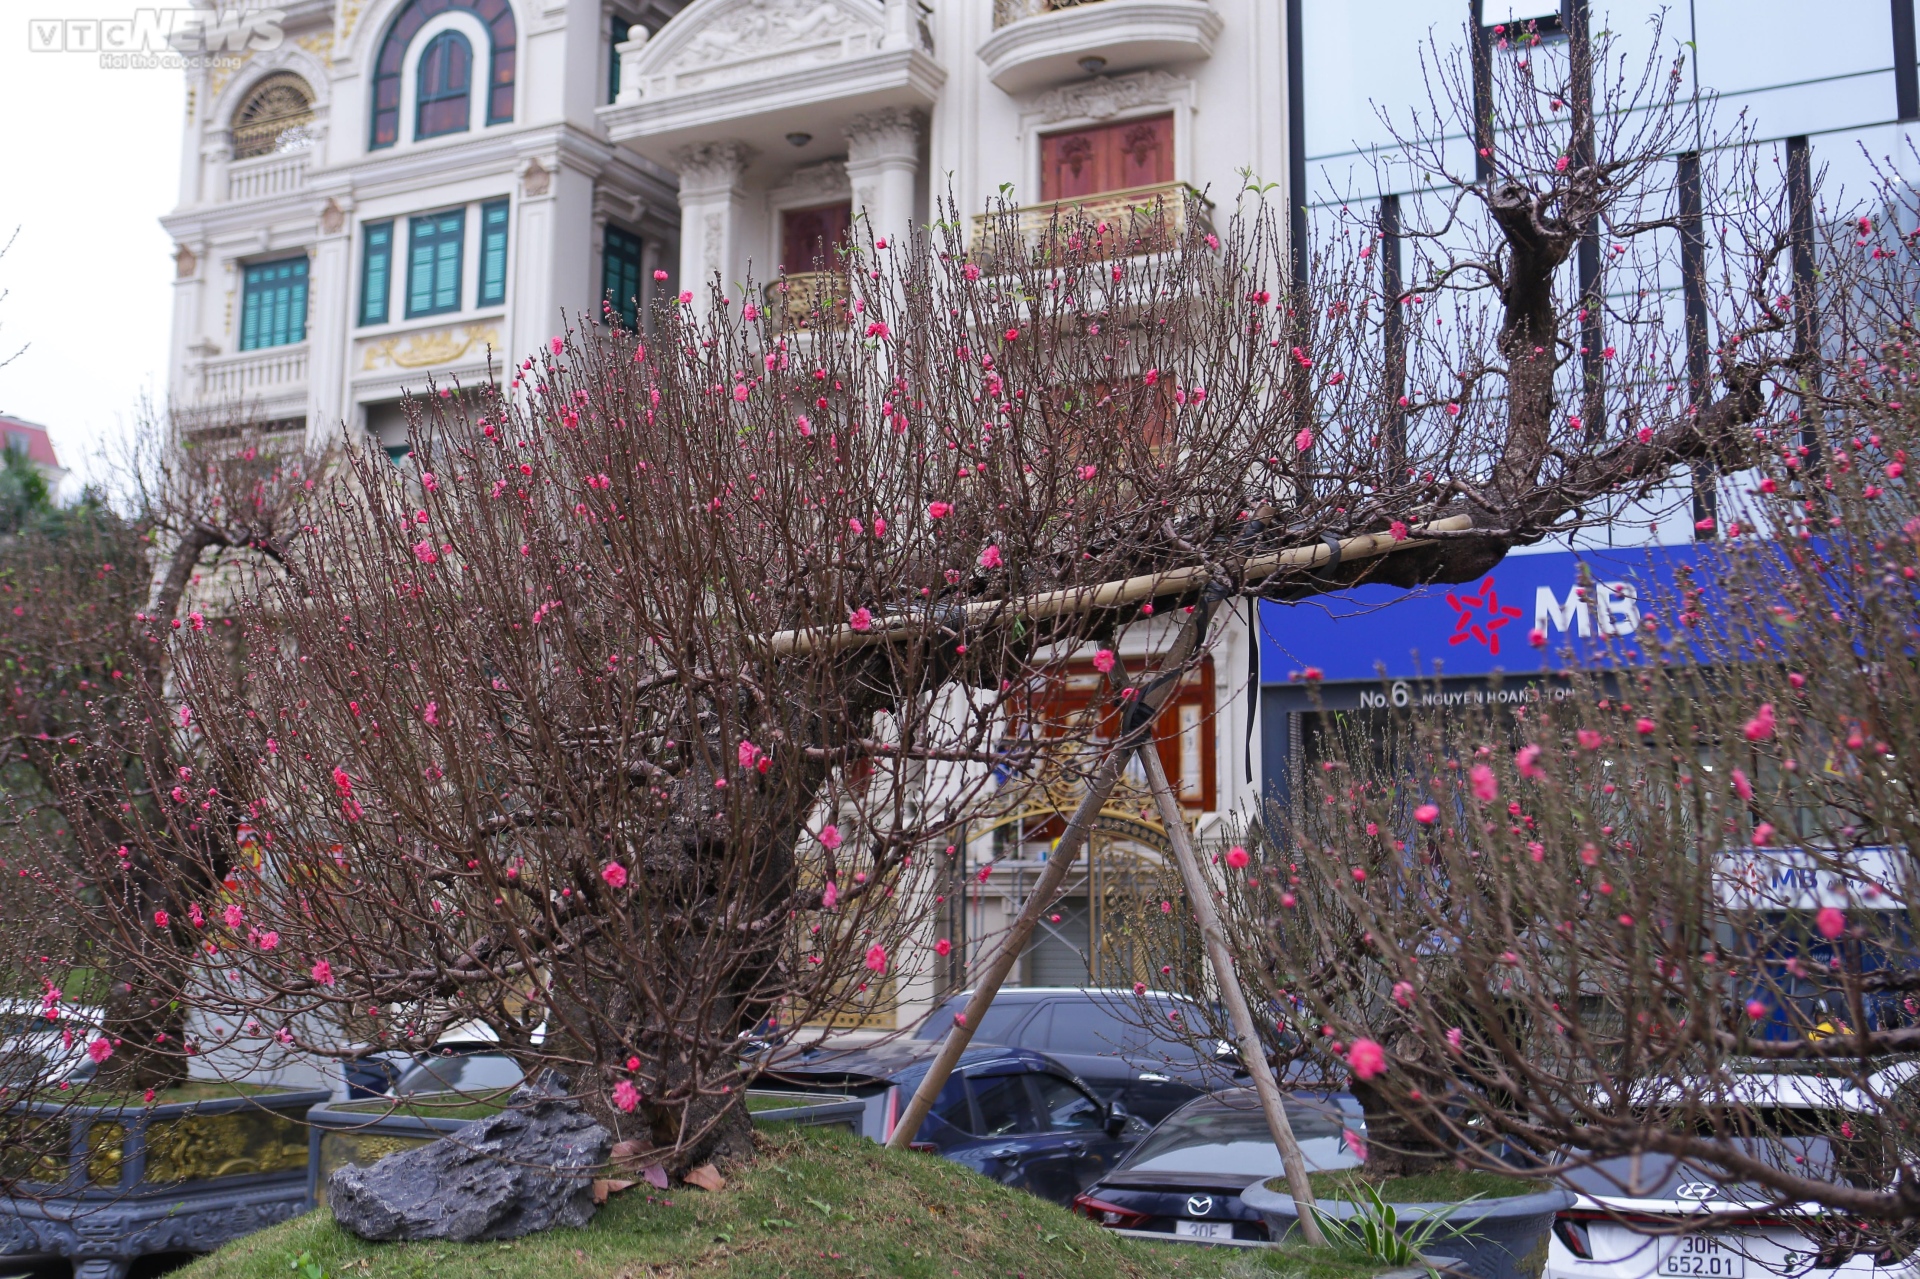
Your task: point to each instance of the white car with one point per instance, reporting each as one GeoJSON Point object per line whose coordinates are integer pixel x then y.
{"type": "Point", "coordinates": [41, 1051]}
{"type": "Point", "coordinates": [1630, 1221]}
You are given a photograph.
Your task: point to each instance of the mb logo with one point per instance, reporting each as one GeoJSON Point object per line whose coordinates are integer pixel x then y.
{"type": "Point", "coordinates": [1615, 609]}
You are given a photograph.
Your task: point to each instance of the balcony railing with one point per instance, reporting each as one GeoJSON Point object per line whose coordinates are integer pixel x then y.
{"type": "Point", "coordinates": [808, 299]}
{"type": "Point", "coordinates": [275, 371]}
{"type": "Point", "coordinates": [1006, 11]}
{"type": "Point", "coordinates": [268, 175]}
{"type": "Point", "coordinates": [1117, 223]}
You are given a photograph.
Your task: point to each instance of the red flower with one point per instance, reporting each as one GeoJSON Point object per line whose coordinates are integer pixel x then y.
{"type": "Point", "coordinates": [1366, 1058]}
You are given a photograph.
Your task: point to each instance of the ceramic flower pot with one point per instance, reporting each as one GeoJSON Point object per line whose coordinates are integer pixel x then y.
{"type": "Point", "coordinates": [1490, 1238]}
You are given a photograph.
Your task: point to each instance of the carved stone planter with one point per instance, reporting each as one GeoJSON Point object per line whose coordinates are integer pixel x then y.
{"type": "Point", "coordinates": [363, 1133]}
{"type": "Point", "coordinates": [135, 1180]}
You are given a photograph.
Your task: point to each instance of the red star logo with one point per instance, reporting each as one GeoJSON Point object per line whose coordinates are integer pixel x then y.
{"type": "Point", "coordinates": [1481, 617]}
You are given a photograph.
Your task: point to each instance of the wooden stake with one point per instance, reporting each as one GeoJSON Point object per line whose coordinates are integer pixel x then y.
{"type": "Point", "coordinates": [1200, 893]}
{"type": "Point", "coordinates": [1065, 853]}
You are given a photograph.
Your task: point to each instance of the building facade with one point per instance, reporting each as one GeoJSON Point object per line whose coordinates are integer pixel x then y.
{"type": "Point", "coordinates": [399, 190]}
{"type": "Point", "coordinates": [403, 189]}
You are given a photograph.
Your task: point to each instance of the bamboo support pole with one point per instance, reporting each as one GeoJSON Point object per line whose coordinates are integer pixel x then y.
{"type": "Point", "coordinates": [1059, 863]}
{"type": "Point", "coordinates": [1245, 1033]}
{"type": "Point", "coordinates": [1085, 599]}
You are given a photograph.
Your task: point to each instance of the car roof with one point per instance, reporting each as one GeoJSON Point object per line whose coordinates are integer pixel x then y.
{"type": "Point", "coordinates": [896, 1061]}
{"type": "Point", "coordinates": [89, 1011]}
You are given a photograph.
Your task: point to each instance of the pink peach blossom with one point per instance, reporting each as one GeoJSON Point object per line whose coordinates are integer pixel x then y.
{"type": "Point", "coordinates": [1366, 1058]}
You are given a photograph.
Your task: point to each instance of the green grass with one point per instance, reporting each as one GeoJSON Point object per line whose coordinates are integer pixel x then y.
{"type": "Point", "coordinates": [1443, 1185]}
{"type": "Point", "coordinates": [192, 1090]}
{"type": "Point", "coordinates": [433, 1105]}
{"type": "Point", "coordinates": [813, 1203]}
{"type": "Point", "coordinates": [761, 1101]}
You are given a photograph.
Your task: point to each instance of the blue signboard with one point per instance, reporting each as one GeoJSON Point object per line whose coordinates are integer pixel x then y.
{"type": "Point", "coordinates": [1478, 627]}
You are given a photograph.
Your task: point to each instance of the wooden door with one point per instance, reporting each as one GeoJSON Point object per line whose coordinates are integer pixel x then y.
{"type": "Point", "coordinates": [808, 237]}
{"type": "Point", "coordinates": [1112, 157]}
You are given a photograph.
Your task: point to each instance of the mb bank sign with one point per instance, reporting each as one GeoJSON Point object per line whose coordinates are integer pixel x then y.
{"type": "Point", "coordinates": [1477, 628]}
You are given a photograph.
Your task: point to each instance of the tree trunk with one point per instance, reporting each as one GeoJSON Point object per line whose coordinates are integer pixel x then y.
{"type": "Point", "coordinates": [1396, 1147]}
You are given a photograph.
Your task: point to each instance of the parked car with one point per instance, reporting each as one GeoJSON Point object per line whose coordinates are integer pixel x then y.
{"type": "Point", "coordinates": [1185, 1179]}
{"type": "Point", "coordinates": [473, 1067]}
{"type": "Point", "coordinates": [1630, 1219]}
{"type": "Point", "coordinates": [1015, 1116]}
{"type": "Point", "coordinates": [1109, 1039]}
{"type": "Point", "coordinates": [41, 1051]}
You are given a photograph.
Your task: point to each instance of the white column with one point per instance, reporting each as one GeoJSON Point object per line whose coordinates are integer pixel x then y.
{"type": "Point", "coordinates": [329, 319]}
{"type": "Point", "coordinates": [532, 297]}
{"type": "Point", "coordinates": [711, 212]}
{"type": "Point", "coordinates": [883, 168]}
{"type": "Point", "coordinates": [189, 336]}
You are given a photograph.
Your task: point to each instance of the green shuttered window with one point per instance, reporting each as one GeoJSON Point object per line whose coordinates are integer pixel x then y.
{"type": "Point", "coordinates": [493, 253]}
{"type": "Point", "coordinates": [376, 271]}
{"type": "Point", "coordinates": [274, 304]}
{"type": "Point", "coordinates": [436, 242]}
{"type": "Point", "coordinates": [620, 278]}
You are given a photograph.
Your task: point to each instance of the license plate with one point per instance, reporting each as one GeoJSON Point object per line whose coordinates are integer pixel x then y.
{"type": "Point", "coordinates": [1203, 1229]}
{"type": "Point", "coordinates": [1703, 1257]}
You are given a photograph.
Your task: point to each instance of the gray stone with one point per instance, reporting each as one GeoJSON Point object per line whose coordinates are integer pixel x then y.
{"type": "Point", "coordinates": [528, 1168]}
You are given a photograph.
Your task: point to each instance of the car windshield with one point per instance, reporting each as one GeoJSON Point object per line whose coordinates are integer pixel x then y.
{"type": "Point", "coordinates": [1097, 1026]}
{"type": "Point", "coordinates": [1228, 1134]}
{"type": "Point", "coordinates": [14, 1025]}
{"type": "Point", "coordinates": [1808, 1142]}
{"type": "Point", "coordinates": [993, 1026]}
{"type": "Point", "coordinates": [461, 1072]}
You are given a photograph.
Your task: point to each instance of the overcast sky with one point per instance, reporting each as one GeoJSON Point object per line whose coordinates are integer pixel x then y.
{"type": "Point", "coordinates": [91, 159]}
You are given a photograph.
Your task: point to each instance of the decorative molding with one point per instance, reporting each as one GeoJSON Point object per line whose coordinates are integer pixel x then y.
{"type": "Point", "coordinates": [318, 43]}
{"type": "Point", "coordinates": [753, 27]}
{"type": "Point", "coordinates": [814, 183]}
{"type": "Point", "coordinates": [618, 206]}
{"type": "Point", "coordinates": [718, 42]}
{"type": "Point", "coordinates": [708, 168]}
{"type": "Point", "coordinates": [1106, 96]}
{"type": "Point", "coordinates": [889, 134]}
{"type": "Point", "coordinates": [436, 346]}
{"type": "Point", "coordinates": [185, 263]}
{"type": "Point", "coordinates": [223, 70]}
{"type": "Point", "coordinates": [333, 218]}
{"type": "Point", "coordinates": [349, 14]}
{"type": "Point", "coordinates": [1048, 44]}
{"type": "Point", "coordinates": [535, 179]}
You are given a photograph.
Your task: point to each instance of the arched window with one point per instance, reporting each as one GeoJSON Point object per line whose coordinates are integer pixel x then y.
{"type": "Point", "coordinates": [277, 116]}
{"type": "Point", "coordinates": [496, 81]}
{"type": "Point", "coordinates": [444, 83]}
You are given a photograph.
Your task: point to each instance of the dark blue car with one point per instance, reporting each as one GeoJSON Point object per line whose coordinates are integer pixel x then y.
{"type": "Point", "coordinates": [1185, 1180]}
{"type": "Point", "coordinates": [1009, 1114]}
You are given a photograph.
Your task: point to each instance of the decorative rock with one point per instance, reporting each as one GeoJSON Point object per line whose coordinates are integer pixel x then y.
{"type": "Point", "coordinates": [528, 1168]}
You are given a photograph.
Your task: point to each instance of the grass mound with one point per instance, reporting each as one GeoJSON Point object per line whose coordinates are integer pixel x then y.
{"type": "Point", "coordinates": [814, 1202]}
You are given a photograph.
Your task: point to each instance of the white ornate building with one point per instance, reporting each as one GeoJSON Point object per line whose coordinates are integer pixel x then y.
{"type": "Point", "coordinates": [403, 186]}
{"type": "Point", "coordinates": [398, 188]}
